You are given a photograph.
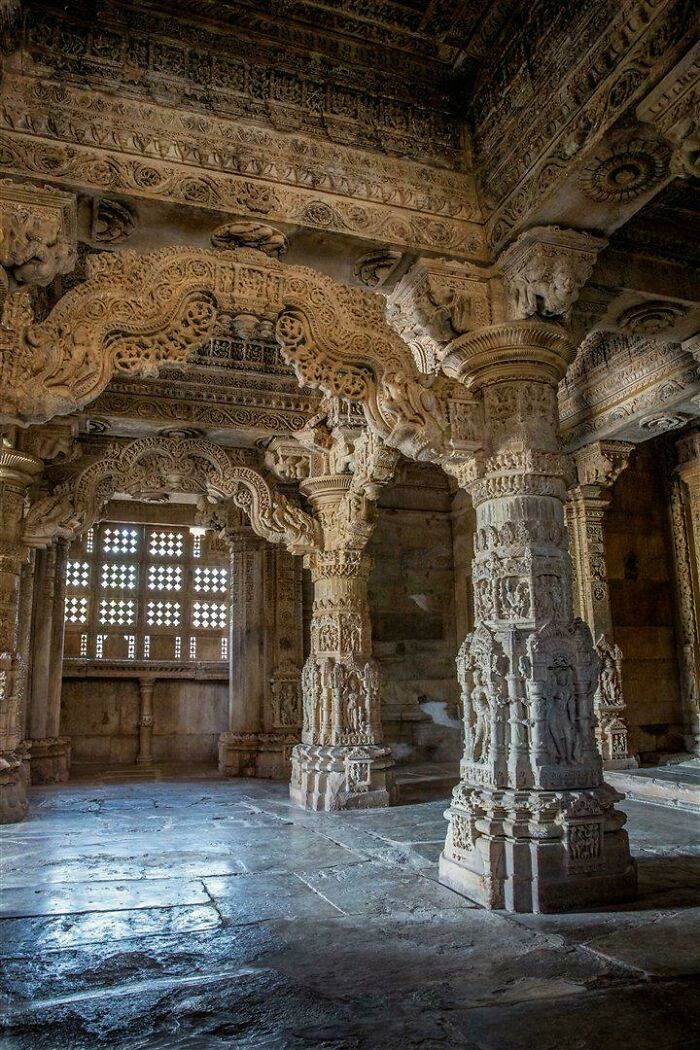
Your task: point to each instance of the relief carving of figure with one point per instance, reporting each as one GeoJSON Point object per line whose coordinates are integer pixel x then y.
{"type": "Point", "coordinates": [609, 691]}
{"type": "Point", "coordinates": [516, 598]}
{"type": "Point", "coordinates": [561, 715]}
{"type": "Point", "coordinates": [481, 706]}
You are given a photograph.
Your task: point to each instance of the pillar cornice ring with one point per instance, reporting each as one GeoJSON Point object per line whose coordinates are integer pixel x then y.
{"type": "Point", "coordinates": [516, 350]}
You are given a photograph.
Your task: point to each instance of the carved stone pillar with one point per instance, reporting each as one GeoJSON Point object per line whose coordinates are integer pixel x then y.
{"type": "Point", "coordinates": [17, 470]}
{"type": "Point", "coordinates": [41, 643]}
{"type": "Point", "coordinates": [50, 752]}
{"type": "Point", "coordinates": [342, 762]}
{"type": "Point", "coordinates": [283, 712]}
{"type": "Point", "coordinates": [26, 599]}
{"type": "Point", "coordinates": [685, 526]}
{"type": "Point", "coordinates": [532, 826]}
{"type": "Point", "coordinates": [238, 748]}
{"type": "Point", "coordinates": [597, 468]}
{"type": "Point", "coordinates": [145, 752]}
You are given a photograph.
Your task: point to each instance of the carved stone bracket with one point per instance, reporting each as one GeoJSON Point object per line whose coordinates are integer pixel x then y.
{"type": "Point", "coordinates": [38, 238]}
{"type": "Point", "coordinates": [545, 269]}
{"type": "Point", "coordinates": [437, 300]}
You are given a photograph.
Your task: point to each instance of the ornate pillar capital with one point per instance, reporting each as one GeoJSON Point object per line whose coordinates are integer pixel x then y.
{"type": "Point", "coordinates": [436, 301]}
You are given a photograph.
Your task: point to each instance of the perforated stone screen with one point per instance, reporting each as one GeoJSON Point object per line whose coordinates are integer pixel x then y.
{"type": "Point", "coordinates": [145, 592]}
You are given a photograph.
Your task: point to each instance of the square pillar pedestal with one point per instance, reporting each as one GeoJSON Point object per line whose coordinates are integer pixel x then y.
{"type": "Point", "coordinates": [335, 777]}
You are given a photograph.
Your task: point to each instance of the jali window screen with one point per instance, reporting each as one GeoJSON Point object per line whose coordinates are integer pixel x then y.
{"type": "Point", "coordinates": [147, 592]}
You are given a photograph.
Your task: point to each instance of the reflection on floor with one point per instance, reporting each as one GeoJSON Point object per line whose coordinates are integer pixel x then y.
{"type": "Point", "coordinates": [196, 912]}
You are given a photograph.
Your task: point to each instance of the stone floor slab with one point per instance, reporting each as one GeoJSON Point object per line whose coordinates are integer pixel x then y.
{"type": "Point", "coordinates": [229, 918]}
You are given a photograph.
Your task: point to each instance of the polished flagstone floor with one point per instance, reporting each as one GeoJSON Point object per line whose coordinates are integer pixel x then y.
{"type": "Point", "coordinates": [197, 912]}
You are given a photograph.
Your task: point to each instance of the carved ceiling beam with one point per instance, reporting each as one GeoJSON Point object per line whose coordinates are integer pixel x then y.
{"type": "Point", "coordinates": [576, 151]}
{"type": "Point", "coordinates": [627, 388]}
{"type": "Point", "coordinates": [158, 152]}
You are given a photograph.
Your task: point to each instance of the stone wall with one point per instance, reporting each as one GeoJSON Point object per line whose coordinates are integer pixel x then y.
{"type": "Point", "coordinates": [412, 600]}
{"type": "Point", "coordinates": [101, 717]}
{"type": "Point", "coordinates": [640, 571]}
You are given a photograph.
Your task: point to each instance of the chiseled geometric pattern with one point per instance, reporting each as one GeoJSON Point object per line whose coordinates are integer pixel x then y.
{"type": "Point", "coordinates": [117, 612]}
{"type": "Point", "coordinates": [209, 615]}
{"type": "Point", "coordinates": [164, 577]}
{"type": "Point", "coordinates": [76, 609]}
{"type": "Point", "coordinates": [166, 544]}
{"type": "Point", "coordinates": [210, 580]}
{"type": "Point", "coordinates": [163, 614]}
{"type": "Point", "coordinates": [77, 574]}
{"type": "Point", "coordinates": [121, 577]}
{"type": "Point", "coordinates": [117, 540]}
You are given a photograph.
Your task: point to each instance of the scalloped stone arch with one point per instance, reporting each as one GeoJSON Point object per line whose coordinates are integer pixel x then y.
{"type": "Point", "coordinates": [136, 313]}
{"type": "Point", "coordinates": [153, 466]}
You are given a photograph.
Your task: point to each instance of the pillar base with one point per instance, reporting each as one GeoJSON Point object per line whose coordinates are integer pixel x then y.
{"type": "Point", "coordinates": [13, 788]}
{"type": "Point", "coordinates": [263, 755]}
{"type": "Point", "coordinates": [50, 760]}
{"type": "Point", "coordinates": [342, 777]}
{"type": "Point", "coordinates": [525, 851]}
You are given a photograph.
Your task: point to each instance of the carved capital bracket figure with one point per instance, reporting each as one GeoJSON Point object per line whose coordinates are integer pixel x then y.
{"type": "Point", "coordinates": [38, 235]}
{"type": "Point", "coordinates": [597, 468]}
{"type": "Point", "coordinates": [437, 300]}
{"type": "Point", "coordinates": [685, 526]}
{"type": "Point", "coordinates": [532, 826]}
{"type": "Point", "coordinates": [545, 269]}
{"type": "Point", "coordinates": [17, 472]}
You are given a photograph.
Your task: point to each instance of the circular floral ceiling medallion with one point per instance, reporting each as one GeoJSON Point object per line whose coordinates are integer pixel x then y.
{"type": "Point", "coordinates": [626, 172]}
{"type": "Point", "coordinates": [662, 422]}
{"type": "Point", "coordinates": [650, 318]}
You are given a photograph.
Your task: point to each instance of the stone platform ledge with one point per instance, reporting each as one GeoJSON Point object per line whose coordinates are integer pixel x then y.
{"type": "Point", "coordinates": [674, 792]}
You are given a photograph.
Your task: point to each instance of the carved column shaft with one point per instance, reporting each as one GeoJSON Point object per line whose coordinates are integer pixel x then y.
{"type": "Point", "coordinates": [598, 466]}
{"type": "Point", "coordinates": [685, 528]}
{"type": "Point", "coordinates": [50, 753]}
{"type": "Point", "coordinates": [238, 748]}
{"type": "Point", "coordinates": [585, 517]}
{"type": "Point", "coordinates": [41, 643]}
{"type": "Point", "coordinates": [342, 762]}
{"type": "Point", "coordinates": [25, 632]}
{"type": "Point", "coordinates": [17, 470]}
{"type": "Point", "coordinates": [531, 825]}
{"type": "Point", "coordinates": [145, 752]}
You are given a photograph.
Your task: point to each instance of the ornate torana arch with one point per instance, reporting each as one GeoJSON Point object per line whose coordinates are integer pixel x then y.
{"type": "Point", "coordinates": [135, 313]}
{"type": "Point", "coordinates": [150, 468]}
